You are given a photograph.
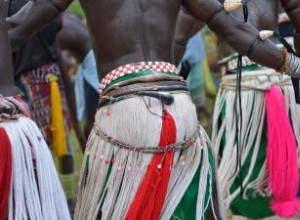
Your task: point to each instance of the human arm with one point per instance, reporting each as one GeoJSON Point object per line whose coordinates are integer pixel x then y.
{"type": "Point", "coordinates": [10, 104]}
{"type": "Point", "coordinates": [70, 95]}
{"type": "Point", "coordinates": [7, 85]}
{"type": "Point", "coordinates": [74, 37]}
{"type": "Point", "coordinates": [292, 8]}
{"type": "Point", "coordinates": [241, 36]}
{"type": "Point", "coordinates": [186, 27]}
{"type": "Point", "coordinates": [33, 17]}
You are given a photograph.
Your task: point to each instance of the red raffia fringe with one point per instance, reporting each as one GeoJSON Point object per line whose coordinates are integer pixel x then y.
{"type": "Point", "coordinates": [281, 156]}
{"type": "Point", "coordinates": [150, 197]}
{"type": "Point", "coordinates": [5, 172]}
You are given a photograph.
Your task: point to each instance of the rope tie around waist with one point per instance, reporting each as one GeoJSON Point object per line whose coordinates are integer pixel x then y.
{"type": "Point", "coordinates": [161, 90]}
{"type": "Point", "coordinates": [260, 85]}
{"type": "Point", "coordinates": [182, 145]}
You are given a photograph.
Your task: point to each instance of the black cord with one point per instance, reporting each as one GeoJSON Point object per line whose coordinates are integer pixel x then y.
{"type": "Point", "coordinates": [238, 111]}
{"type": "Point", "coordinates": [245, 11]}
{"type": "Point", "coordinates": [239, 121]}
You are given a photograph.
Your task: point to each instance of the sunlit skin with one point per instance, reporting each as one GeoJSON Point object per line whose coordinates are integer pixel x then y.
{"type": "Point", "coordinates": [128, 31]}
{"type": "Point", "coordinates": [263, 14]}
{"type": "Point", "coordinates": [141, 30]}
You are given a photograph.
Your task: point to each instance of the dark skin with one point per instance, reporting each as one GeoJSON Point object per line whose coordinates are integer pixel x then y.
{"type": "Point", "coordinates": [142, 30]}
{"type": "Point", "coordinates": [74, 38]}
{"type": "Point", "coordinates": [127, 31]}
{"type": "Point", "coordinates": [264, 16]}
{"type": "Point", "coordinates": [69, 89]}
{"type": "Point", "coordinates": [186, 27]}
{"type": "Point", "coordinates": [7, 85]}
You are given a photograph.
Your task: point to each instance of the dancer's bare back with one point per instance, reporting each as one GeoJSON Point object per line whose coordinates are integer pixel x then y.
{"type": "Point", "coordinates": [126, 31]}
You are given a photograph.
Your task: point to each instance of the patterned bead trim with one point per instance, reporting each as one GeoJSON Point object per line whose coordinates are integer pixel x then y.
{"type": "Point", "coordinates": [182, 145]}
{"type": "Point", "coordinates": [160, 67]}
{"type": "Point", "coordinates": [40, 74]}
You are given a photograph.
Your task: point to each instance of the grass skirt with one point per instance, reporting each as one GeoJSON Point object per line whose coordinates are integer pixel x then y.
{"type": "Point", "coordinates": [254, 203]}
{"type": "Point", "coordinates": [111, 176]}
{"type": "Point", "coordinates": [35, 191]}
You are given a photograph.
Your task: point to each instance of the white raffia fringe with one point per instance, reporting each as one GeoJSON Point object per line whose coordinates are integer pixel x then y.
{"type": "Point", "coordinates": [254, 86]}
{"type": "Point", "coordinates": [35, 192]}
{"type": "Point", "coordinates": [131, 122]}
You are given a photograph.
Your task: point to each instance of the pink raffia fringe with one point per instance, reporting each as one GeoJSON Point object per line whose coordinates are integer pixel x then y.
{"type": "Point", "coordinates": [281, 156]}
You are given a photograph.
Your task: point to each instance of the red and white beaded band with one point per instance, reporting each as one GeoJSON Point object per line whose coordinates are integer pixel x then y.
{"type": "Point", "coordinates": [160, 67]}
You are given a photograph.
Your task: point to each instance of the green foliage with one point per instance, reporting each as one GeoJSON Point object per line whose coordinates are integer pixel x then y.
{"type": "Point", "coordinates": [76, 9]}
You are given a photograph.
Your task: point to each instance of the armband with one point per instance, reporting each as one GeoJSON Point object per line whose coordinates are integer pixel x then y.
{"type": "Point", "coordinates": [291, 65]}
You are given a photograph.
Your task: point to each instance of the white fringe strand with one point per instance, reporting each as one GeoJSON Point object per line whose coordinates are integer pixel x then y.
{"type": "Point", "coordinates": [35, 192]}
{"type": "Point", "coordinates": [115, 174]}
{"type": "Point", "coordinates": [254, 85]}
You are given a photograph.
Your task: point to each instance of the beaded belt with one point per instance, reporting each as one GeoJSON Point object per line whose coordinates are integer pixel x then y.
{"type": "Point", "coordinates": [130, 70]}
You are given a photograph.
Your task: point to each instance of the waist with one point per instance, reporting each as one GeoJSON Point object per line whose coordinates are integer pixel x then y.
{"type": "Point", "coordinates": [261, 79]}
{"type": "Point", "coordinates": [139, 72]}
{"type": "Point", "coordinates": [161, 90]}
{"type": "Point", "coordinates": [230, 64]}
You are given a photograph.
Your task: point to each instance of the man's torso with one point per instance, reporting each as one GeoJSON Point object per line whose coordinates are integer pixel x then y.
{"type": "Point", "coordinates": [127, 31]}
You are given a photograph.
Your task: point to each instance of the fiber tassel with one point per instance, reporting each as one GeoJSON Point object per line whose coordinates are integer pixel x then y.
{"type": "Point", "coordinates": [150, 197]}
{"type": "Point", "coordinates": [59, 143]}
{"type": "Point", "coordinates": [281, 156]}
{"type": "Point", "coordinates": [5, 172]}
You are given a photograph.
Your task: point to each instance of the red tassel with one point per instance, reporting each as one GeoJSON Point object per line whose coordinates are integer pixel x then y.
{"type": "Point", "coordinates": [150, 197]}
{"type": "Point", "coordinates": [5, 172]}
{"type": "Point", "coordinates": [281, 157]}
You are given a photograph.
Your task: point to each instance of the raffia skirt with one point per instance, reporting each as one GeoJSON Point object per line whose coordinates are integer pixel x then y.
{"type": "Point", "coordinates": [125, 177]}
